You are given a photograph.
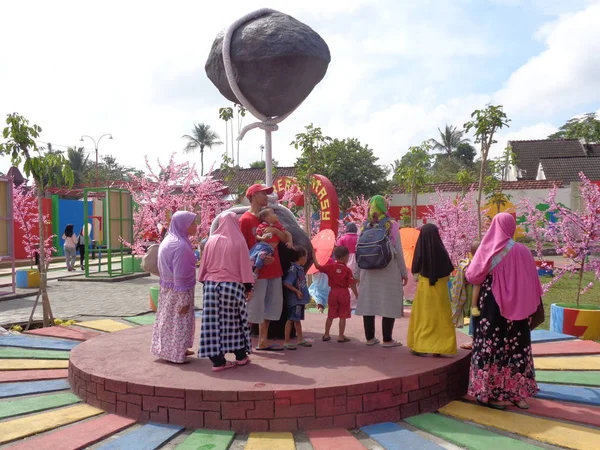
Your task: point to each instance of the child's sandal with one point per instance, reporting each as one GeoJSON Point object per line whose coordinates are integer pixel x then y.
{"type": "Point", "coordinates": [304, 344]}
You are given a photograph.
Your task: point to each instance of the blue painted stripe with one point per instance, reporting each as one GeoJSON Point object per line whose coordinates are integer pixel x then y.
{"type": "Point", "coordinates": [549, 336]}
{"type": "Point", "coordinates": [32, 387]}
{"type": "Point", "coordinates": [149, 437]}
{"type": "Point", "coordinates": [35, 342]}
{"type": "Point", "coordinates": [565, 393]}
{"type": "Point", "coordinates": [394, 437]}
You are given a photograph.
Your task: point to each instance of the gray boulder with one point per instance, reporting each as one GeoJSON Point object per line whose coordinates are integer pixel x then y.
{"type": "Point", "coordinates": [277, 61]}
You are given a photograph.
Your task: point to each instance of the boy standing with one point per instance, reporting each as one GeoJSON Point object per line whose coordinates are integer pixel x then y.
{"type": "Point", "coordinates": [340, 279]}
{"type": "Point", "coordinates": [296, 296]}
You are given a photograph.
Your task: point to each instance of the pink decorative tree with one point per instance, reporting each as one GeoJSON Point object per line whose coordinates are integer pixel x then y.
{"type": "Point", "coordinates": [25, 210]}
{"type": "Point", "coordinates": [457, 220]}
{"type": "Point", "coordinates": [576, 233]}
{"type": "Point", "coordinates": [536, 224]}
{"type": "Point", "coordinates": [174, 187]}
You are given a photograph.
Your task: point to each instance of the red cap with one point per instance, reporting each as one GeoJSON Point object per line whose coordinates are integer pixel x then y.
{"type": "Point", "coordinates": [255, 188]}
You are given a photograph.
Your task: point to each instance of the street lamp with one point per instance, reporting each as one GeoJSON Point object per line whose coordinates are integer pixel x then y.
{"type": "Point", "coordinates": [96, 143]}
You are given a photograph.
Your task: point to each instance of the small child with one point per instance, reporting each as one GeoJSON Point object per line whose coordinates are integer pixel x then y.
{"type": "Point", "coordinates": [461, 295]}
{"type": "Point", "coordinates": [296, 296]}
{"type": "Point", "coordinates": [268, 235]}
{"type": "Point", "coordinates": [340, 279]}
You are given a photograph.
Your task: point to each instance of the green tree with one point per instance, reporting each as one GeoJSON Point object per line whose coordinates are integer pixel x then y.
{"type": "Point", "coordinates": [449, 141]}
{"type": "Point", "coordinates": [485, 123]}
{"type": "Point", "coordinates": [310, 143]}
{"type": "Point", "coordinates": [586, 128]}
{"type": "Point", "coordinates": [262, 164]}
{"type": "Point", "coordinates": [46, 169]}
{"type": "Point", "coordinates": [413, 175]}
{"type": "Point", "coordinates": [202, 137]}
{"type": "Point", "coordinates": [351, 167]}
{"type": "Point", "coordinates": [444, 169]}
{"type": "Point", "coordinates": [465, 153]}
{"type": "Point", "coordinates": [80, 165]}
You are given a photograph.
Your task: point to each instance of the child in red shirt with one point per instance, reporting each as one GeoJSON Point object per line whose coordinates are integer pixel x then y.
{"type": "Point", "coordinates": [340, 280]}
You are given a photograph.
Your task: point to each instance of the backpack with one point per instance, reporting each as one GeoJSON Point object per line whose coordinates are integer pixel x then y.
{"type": "Point", "coordinates": [374, 249]}
{"type": "Point", "coordinates": [150, 260]}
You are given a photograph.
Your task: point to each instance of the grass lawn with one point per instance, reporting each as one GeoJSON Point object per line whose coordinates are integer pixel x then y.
{"type": "Point", "coordinates": [565, 291]}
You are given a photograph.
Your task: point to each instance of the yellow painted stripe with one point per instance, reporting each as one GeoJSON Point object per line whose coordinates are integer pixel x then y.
{"type": "Point", "coordinates": [270, 441]}
{"type": "Point", "coordinates": [31, 364]}
{"type": "Point", "coordinates": [591, 362]}
{"type": "Point", "coordinates": [543, 430]}
{"type": "Point", "coordinates": [107, 325]}
{"type": "Point", "coordinates": [39, 423]}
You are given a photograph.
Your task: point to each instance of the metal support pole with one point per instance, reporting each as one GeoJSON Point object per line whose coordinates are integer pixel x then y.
{"type": "Point", "coordinates": [268, 158]}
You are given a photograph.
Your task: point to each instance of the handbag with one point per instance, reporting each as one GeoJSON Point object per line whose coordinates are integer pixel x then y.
{"type": "Point", "coordinates": [538, 317]}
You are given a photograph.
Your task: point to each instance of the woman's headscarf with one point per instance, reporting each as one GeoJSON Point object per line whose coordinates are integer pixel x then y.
{"type": "Point", "coordinates": [69, 230]}
{"type": "Point", "coordinates": [225, 257]}
{"type": "Point", "coordinates": [516, 285]}
{"type": "Point", "coordinates": [378, 204]}
{"type": "Point", "coordinates": [431, 258]}
{"type": "Point", "coordinates": [176, 257]}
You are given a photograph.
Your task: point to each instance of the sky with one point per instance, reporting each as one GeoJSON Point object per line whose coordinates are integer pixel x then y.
{"type": "Point", "coordinates": [399, 71]}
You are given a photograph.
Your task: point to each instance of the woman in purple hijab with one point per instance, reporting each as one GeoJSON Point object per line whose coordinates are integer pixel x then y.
{"type": "Point", "coordinates": [173, 333]}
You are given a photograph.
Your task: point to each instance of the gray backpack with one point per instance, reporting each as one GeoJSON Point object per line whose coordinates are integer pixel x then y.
{"type": "Point", "coordinates": [374, 249]}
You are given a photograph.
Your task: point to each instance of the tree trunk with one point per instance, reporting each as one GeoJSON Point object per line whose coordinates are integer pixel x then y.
{"type": "Point", "coordinates": [413, 207]}
{"type": "Point", "coordinates": [201, 161]}
{"type": "Point", "coordinates": [480, 191]}
{"type": "Point", "coordinates": [580, 281]}
{"type": "Point", "coordinates": [48, 319]}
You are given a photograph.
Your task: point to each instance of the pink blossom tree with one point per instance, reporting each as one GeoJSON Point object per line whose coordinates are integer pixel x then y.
{"type": "Point", "coordinates": [25, 210]}
{"type": "Point", "coordinates": [174, 187]}
{"type": "Point", "coordinates": [576, 233]}
{"type": "Point", "coordinates": [536, 224]}
{"type": "Point", "coordinates": [457, 219]}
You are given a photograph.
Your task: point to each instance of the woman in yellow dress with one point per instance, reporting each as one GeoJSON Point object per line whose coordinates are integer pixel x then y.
{"type": "Point", "coordinates": [430, 329]}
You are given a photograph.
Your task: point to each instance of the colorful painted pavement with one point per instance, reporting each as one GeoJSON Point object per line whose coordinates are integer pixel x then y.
{"type": "Point", "coordinates": [38, 411]}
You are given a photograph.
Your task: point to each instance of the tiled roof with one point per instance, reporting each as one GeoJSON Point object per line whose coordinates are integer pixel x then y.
{"type": "Point", "coordinates": [506, 186]}
{"type": "Point", "coordinates": [242, 178]}
{"type": "Point", "coordinates": [528, 153]}
{"type": "Point", "coordinates": [567, 169]}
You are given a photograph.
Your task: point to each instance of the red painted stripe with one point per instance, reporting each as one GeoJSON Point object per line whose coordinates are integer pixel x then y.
{"type": "Point", "coordinates": [336, 439]}
{"type": "Point", "coordinates": [77, 436]}
{"type": "Point", "coordinates": [77, 334]}
{"type": "Point", "coordinates": [567, 348]}
{"type": "Point", "coordinates": [9, 376]}
{"type": "Point", "coordinates": [572, 412]}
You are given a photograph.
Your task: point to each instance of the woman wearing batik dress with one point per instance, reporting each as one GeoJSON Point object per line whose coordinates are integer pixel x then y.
{"type": "Point", "coordinates": [430, 330]}
{"type": "Point", "coordinates": [173, 333]}
{"type": "Point", "coordinates": [504, 275]}
{"type": "Point", "coordinates": [226, 271]}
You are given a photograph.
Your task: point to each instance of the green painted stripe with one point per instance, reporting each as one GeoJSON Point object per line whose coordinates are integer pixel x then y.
{"type": "Point", "coordinates": [30, 353]}
{"type": "Point", "coordinates": [591, 378]}
{"type": "Point", "coordinates": [28, 405]}
{"type": "Point", "coordinates": [147, 319]}
{"type": "Point", "coordinates": [465, 435]}
{"type": "Point", "coordinates": [207, 439]}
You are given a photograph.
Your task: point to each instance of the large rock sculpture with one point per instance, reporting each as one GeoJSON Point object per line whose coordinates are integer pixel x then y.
{"type": "Point", "coordinates": [277, 60]}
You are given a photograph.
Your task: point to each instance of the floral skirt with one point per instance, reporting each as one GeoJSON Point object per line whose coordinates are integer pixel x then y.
{"type": "Point", "coordinates": [501, 361]}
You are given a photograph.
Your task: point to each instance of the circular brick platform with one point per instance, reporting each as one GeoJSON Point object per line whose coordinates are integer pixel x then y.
{"type": "Point", "coordinates": [329, 385]}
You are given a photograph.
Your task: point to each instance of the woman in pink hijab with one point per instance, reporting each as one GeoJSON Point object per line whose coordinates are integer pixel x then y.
{"type": "Point", "coordinates": [505, 275]}
{"type": "Point", "coordinates": [226, 271]}
{"type": "Point", "coordinates": [173, 333]}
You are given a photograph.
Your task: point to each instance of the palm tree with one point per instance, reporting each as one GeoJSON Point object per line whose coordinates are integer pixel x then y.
{"type": "Point", "coordinates": [202, 136]}
{"type": "Point", "coordinates": [79, 164]}
{"type": "Point", "coordinates": [450, 139]}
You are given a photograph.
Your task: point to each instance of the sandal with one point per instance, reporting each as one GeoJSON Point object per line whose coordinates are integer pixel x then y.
{"type": "Point", "coordinates": [227, 365]}
{"type": "Point", "coordinates": [497, 406]}
{"type": "Point", "coordinates": [417, 353]}
{"type": "Point", "coordinates": [522, 404]}
{"type": "Point", "coordinates": [304, 344]}
{"type": "Point", "coordinates": [243, 362]}
{"type": "Point", "coordinates": [345, 339]}
{"type": "Point", "coordinates": [289, 346]}
{"type": "Point", "coordinates": [468, 346]}
{"type": "Point", "coordinates": [391, 344]}
{"type": "Point", "coordinates": [189, 352]}
{"type": "Point", "coordinates": [372, 342]}
{"type": "Point", "coordinates": [326, 338]}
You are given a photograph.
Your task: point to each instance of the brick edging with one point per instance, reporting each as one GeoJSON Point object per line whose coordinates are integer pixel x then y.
{"type": "Point", "coordinates": [244, 411]}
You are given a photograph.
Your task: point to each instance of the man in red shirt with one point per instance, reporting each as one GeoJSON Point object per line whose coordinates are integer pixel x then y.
{"type": "Point", "coordinates": [267, 297]}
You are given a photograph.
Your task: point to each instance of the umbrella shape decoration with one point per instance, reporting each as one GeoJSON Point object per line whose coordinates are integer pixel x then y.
{"type": "Point", "coordinates": [409, 237]}
{"type": "Point", "coordinates": [323, 244]}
